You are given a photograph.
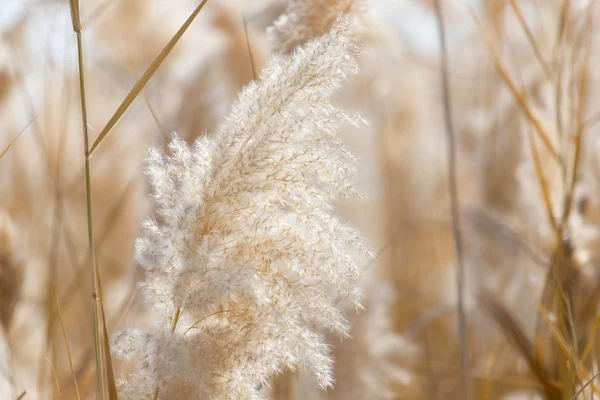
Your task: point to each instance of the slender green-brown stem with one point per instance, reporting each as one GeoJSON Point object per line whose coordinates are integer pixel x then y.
{"type": "Point", "coordinates": [88, 193]}
{"type": "Point", "coordinates": [90, 223]}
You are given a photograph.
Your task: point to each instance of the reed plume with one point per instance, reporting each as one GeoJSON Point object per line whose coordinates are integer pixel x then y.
{"type": "Point", "coordinates": [244, 260]}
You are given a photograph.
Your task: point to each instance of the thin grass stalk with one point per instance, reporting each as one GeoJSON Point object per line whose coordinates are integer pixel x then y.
{"type": "Point", "coordinates": [18, 135]}
{"type": "Point", "coordinates": [55, 379]}
{"type": "Point", "coordinates": [62, 325]}
{"type": "Point", "coordinates": [112, 387]}
{"type": "Point", "coordinates": [159, 125]}
{"type": "Point", "coordinates": [51, 344]}
{"type": "Point", "coordinates": [557, 61]}
{"type": "Point", "coordinates": [77, 28]}
{"type": "Point", "coordinates": [531, 39]}
{"type": "Point", "coordinates": [584, 386]}
{"type": "Point", "coordinates": [591, 341]}
{"type": "Point", "coordinates": [539, 172]}
{"type": "Point", "coordinates": [455, 204]}
{"type": "Point", "coordinates": [562, 26]}
{"type": "Point", "coordinates": [90, 222]}
{"type": "Point", "coordinates": [57, 226]}
{"type": "Point", "coordinates": [250, 57]}
{"type": "Point", "coordinates": [26, 99]}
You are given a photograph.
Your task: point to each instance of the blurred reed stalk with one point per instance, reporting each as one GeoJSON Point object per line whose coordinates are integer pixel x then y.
{"type": "Point", "coordinates": [455, 204]}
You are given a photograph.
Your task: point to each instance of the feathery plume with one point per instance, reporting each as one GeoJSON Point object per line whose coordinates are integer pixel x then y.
{"type": "Point", "coordinates": [244, 260]}
{"type": "Point", "coordinates": [304, 20]}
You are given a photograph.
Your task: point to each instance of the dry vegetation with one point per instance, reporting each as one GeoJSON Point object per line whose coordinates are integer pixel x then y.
{"type": "Point", "coordinates": [252, 274]}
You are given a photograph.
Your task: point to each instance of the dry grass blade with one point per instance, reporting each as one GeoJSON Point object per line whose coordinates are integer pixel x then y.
{"type": "Point", "coordinates": [146, 77]}
{"type": "Point", "coordinates": [539, 171]}
{"type": "Point", "coordinates": [16, 137]}
{"type": "Point", "coordinates": [514, 333]}
{"type": "Point", "coordinates": [517, 93]}
{"type": "Point", "coordinates": [531, 38]}
{"type": "Point", "coordinates": [22, 395]}
{"type": "Point", "coordinates": [588, 348]}
{"type": "Point", "coordinates": [62, 325]}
